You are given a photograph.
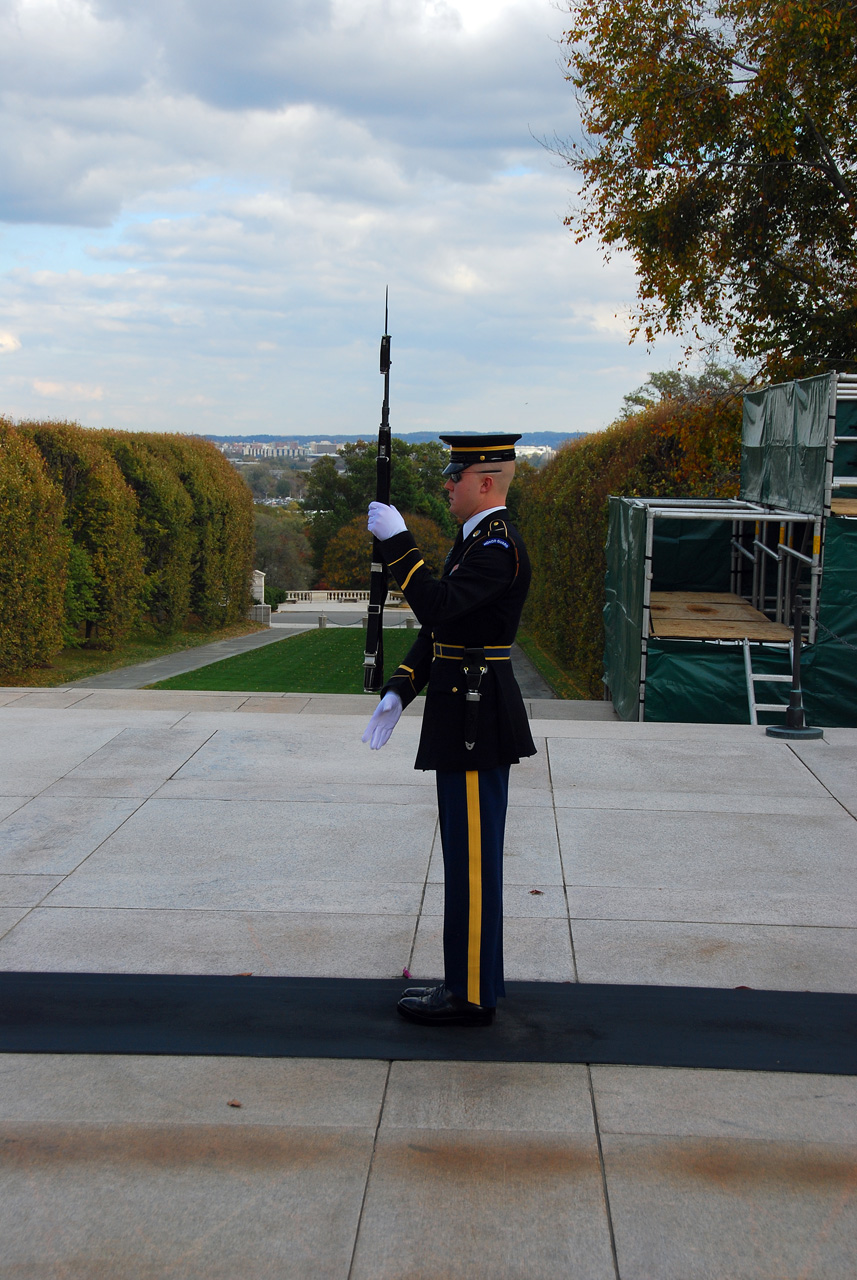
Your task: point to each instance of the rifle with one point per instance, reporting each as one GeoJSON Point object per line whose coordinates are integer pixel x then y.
{"type": "Point", "coordinates": [373, 657]}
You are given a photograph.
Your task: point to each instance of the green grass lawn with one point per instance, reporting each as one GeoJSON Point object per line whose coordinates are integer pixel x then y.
{"type": "Point", "coordinates": [322, 661]}
{"type": "Point", "coordinates": [141, 646]}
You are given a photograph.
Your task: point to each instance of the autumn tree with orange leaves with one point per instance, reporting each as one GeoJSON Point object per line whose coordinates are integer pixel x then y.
{"type": "Point", "coordinates": [348, 556]}
{"type": "Point", "coordinates": [720, 149]}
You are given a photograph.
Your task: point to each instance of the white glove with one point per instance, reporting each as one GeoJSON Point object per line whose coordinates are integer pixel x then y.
{"type": "Point", "coordinates": [385, 717]}
{"type": "Point", "coordinates": [384, 521]}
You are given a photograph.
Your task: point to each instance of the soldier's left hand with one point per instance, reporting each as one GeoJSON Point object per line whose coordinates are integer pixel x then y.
{"type": "Point", "coordinates": [384, 522]}
{"type": "Point", "coordinates": [385, 717]}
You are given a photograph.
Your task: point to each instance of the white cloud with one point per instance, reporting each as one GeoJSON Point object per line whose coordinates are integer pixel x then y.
{"type": "Point", "coordinates": [203, 202]}
{"type": "Point", "coordinates": [67, 390]}
{"type": "Point", "coordinates": [8, 342]}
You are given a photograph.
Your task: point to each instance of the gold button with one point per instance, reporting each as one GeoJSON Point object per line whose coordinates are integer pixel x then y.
{"type": "Point", "coordinates": [482, 457]}
{"type": "Point", "coordinates": [455, 688]}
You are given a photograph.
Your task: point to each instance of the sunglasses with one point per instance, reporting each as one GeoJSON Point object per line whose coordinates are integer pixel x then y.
{"type": "Point", "coordinates": [455, 476]}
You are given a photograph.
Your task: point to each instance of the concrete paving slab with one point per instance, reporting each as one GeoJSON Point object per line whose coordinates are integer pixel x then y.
{"type": "Point", "coordinates": [765, 767]}
{"type": "Point", "coordinates": [9, 917]}
{"type": "Point", "coordinates": [835, 766]}
{"type": "Point", "coordinates": [250, 842]}
{"type": "Point", "coordinates": [706, 1208]}
{"type": "Point", "coordinates": [320, 793]}
{"type": "Point", "coordinates": [499, 1096]}
{"type": "Point", "coordinates": [298, 944]}
{"type": "Point", "coordinates": [566, 727]}
{"type": "Point", "coordinates": [113, 715]}
{"type": "Point", "coordinates": [229, 890]}
{"type": "Point", "coordinates": [273, 757]}
{"type": "Point", "coordinates": [530, 853]}
{"type": "Point", "coordinates": [9, 804]}
{"type": "Point", "coordinates": [31, 759]}
{"type": "Point", "coordinates": [52, 699]}
{"type": "Point", "coordinates": [703, 802]}
{"type": "Point", "coordinates": [136, 761]}
{"type": "Point", "coordinates": [529, 797]}
{"type": "Point", "coordinates": [52, 835]}
{"type": "Point", "coordinates": [107, 1089]}
{"type": "Point", "coordinates": [723, 906]}
{"type": "Point", "coordinates": [488, 1205]}
{"type": "Point", "coordinates": [541, 902]}
{"type": "Point", "coordinates": [8, 696]}
{"type": "Point", "coordinates": [189, 1202]}
{"type": "Point", "coordinates": [345, 726]}
{"type": "Point", "coordinates": [531, 848]}
{"type": "Point", "coordinates": [532, 772]}
{"type": "Point", "coordinates": [675, 850]}
{"type": "Point", "coordinates": [534, 950]}
{"type": "Point", "coordinates": [274, 704]}
{"type": "Point", "coordinates": [725, 1104]}
{"type": "Point", "coordinates": [158, 700]}
{"type": "Point", "coordinates": [25, 890]}
{"type": "Point", "coordinates": [505, 1156]}
{"type": "Point", "coordinates": [664, 953]}
{"type": "Point", "coordinates": [568, 709]}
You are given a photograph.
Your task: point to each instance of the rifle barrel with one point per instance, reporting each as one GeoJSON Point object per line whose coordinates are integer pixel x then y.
{"type": "Point", "coordinates": [373, 656]}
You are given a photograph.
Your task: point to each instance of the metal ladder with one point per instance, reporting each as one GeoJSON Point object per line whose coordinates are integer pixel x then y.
{"type": "Point", "coordinates": [762, 677]}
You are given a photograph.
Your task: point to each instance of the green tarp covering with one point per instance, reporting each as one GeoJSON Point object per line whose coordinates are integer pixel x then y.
{"type": "Point", "coordinates": [691, 555]}
{"type": "Point", "coordinates": [829, 667]}
{"type": "Point", "coordinates": [701, 682]}
{"type": "Point", "coordinates": [623, 608]}
{"type": "Point", "coordinates": [784, 444]}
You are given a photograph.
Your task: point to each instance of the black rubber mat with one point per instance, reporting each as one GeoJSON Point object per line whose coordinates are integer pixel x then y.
{"type": "Point", "coordinates": [337, 1018]}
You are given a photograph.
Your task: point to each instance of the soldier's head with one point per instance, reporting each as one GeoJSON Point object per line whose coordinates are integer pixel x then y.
{"type": "Point", "coordinates": [479, 472]}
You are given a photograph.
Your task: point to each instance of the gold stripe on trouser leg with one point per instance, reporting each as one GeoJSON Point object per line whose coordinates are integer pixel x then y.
{"type": "Point", "coordinates": [474, 847]}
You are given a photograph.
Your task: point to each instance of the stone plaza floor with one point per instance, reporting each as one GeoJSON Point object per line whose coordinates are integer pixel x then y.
{"type": "Point", "coordinates": [190, 833]}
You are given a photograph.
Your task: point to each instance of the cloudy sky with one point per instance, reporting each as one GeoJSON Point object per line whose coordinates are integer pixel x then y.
{"type": "Point", "coordinates": [201, 202]}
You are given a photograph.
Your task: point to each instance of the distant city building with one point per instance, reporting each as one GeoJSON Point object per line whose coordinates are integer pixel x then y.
{"type": "Point", "coordinates": [273, 451]}
{"type": "Point", "coordinates": [535, 452]}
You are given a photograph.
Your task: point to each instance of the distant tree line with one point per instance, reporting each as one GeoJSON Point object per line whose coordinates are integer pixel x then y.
{"type": "Point", "coordinates": [100, 529]}
{"type": "Point", "coordinates": [338, 496]}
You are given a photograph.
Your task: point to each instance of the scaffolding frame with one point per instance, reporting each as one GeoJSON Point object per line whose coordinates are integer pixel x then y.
{"type": "Point", "coordinates": [740, 513]}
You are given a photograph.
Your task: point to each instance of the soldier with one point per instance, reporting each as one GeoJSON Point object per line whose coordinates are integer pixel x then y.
{"type": "Point", "coordinates": [474, 725]}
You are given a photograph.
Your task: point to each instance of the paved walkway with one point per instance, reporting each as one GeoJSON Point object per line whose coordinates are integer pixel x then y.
{"type": "Point", "coordinates": [218, 833]}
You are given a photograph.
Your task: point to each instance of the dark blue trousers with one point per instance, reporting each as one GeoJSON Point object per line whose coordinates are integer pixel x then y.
{"type": "Point", "coordinates": [472, 809]}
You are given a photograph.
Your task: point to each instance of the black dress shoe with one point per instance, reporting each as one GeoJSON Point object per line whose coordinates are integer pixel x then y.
{"type": "Point", "coordinates": [419, 992]}
{"type": "Point", "coordinates": [440, 1008]}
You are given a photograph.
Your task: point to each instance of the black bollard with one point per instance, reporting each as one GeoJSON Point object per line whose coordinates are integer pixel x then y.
{"type": "Point", "coordinates": [795, 725]}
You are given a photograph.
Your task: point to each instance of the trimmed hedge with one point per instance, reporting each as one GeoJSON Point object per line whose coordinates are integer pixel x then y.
{"type": "Point", "coordinates": [34, 550]}
{"type": "Point", "coordinates": [164, 523]}
{"type": "Point", "coordinates": [100, 527]}
{"type": "Point", "coordinates": [100, 515]}
{"type": "Point", "coordinates": [672, 450]}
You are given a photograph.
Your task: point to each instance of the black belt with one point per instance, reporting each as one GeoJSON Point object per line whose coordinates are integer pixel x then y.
{"type": "Point", "coordinates": [491, 652]}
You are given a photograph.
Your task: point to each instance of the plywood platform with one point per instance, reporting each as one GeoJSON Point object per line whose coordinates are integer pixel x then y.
{"type": "Point", "coordinates": [717, 615]}
{"type": "Point", "coordinates": [844, 506]}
